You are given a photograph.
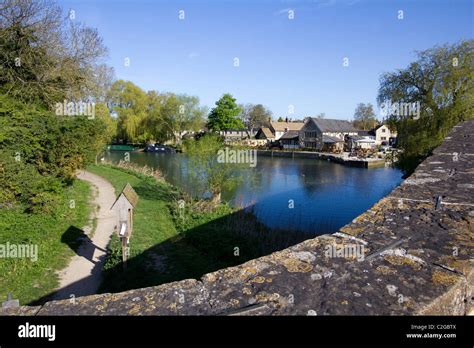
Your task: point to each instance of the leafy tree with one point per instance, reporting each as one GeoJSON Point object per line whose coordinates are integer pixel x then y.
{"type": "Point", "coordinates": [102, 113]}
{"type": "Point", "coordinates": [225, 115]}
{"type": "Point", "coordinates": [153, 121]}
{"type": "Point", "coordinates": [258, 116]}
{"type": "Point", "coordinates": [208, 174]}
{"type": "Point", "coordinates": [280, 119]}
{"type": "Point", "coordinates": [43, 58]}
{"type": "Point", "coordinates": [180, 113]}
{"type": "Point", "coordinates": [47, 148]}
{"type": "Point", "coordinates": [441, 81]}
{"type": "Point", "coordinates": [131, 104]}
{"type": "Point", "coordinates": [149, 116]}
{"type": "Point", "coordinates": [109, 125]}
{"type": "Point", "coordinates": [245, 113]}
{"type": "Point", "coordinates": [364, 116]}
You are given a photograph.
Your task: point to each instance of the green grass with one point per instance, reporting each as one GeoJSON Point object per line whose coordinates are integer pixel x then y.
{"type": "Point", "coordinates": [153, 225]}
{"type": "Point", "coordinates": [167, 245]}
{"type": "Point", "coordinates": [151, 214]}
{"type": "Point", "coordinates": [28, 280]}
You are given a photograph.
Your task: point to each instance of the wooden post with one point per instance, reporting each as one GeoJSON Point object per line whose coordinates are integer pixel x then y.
{"type": "Point", "coordinates": [124, 252]}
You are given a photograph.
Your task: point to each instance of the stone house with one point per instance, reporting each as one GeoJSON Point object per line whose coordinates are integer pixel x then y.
{"type": "Point", "coordinates": [325, 134]}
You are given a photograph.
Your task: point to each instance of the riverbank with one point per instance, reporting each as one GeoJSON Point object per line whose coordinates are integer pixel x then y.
{"type": "Point", "coordinates": [333, 157]}
{"type": "Point", "coordinates": [174, 241]}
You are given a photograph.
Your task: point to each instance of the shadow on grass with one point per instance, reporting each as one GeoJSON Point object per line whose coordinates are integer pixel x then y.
{"type": "Point", "coordinates": [84, 247]}
{"type": "Point", "coordinates": [224, 242]}
{"type": "Point", "coordinates": [80, 243]}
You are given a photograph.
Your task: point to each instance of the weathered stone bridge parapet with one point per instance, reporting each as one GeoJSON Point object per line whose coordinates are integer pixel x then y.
{"type": "Point", "coordinates": [418, 247]}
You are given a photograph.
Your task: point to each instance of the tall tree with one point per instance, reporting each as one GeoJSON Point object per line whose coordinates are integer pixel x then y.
{"type": "Point", "coordinates": [258, 116]}
{"type": "Point", "coordinates": [45, 58]}
{"type": "Point", "coordinates": [181, 113]}
{"type": "Point", "coordinates": [441, 80]}
{"type": "Point", "coordinates": [103, 114]}
{"type": "Point", "coordinates": [364, 116]}
{"type": "Point", "coordinates": [225, 115]}
{"type": "Point", "coordinates": [130, 103]}
{"type": "Point", "coordinates": [207, 173]}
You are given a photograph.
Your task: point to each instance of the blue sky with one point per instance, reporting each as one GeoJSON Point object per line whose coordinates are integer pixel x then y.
{"type": "Point", "coordinates": [283, 61]}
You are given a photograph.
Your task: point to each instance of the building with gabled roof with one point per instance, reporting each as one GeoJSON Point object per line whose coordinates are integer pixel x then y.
{"type": "Point", "coordinates": [280, 128]}
{"type": "Point", "coordinates": [265, 133]}
{"type": "Point", "coordinates": [325, 134]}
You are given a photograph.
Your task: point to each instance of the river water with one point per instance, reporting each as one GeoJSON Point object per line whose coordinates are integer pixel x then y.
{"type": "Point", "coordinates": [311, 196]}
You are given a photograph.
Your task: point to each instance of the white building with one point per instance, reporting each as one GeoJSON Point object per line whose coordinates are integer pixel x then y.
{"type": "Point", "coordinates": [383, 135]}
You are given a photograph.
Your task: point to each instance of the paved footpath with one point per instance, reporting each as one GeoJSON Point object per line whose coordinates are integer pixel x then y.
{"type": "Point", "coordinates": [83, 274]}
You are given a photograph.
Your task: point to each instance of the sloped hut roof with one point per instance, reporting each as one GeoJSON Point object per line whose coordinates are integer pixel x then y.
{"type": "Point", "coordinates": [266, 132]}
{"type": "Point", "coordinates": [129, 193]}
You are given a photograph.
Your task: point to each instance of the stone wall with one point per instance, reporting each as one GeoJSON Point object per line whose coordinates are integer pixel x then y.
{"type": "Point", "coordinates": [418, 247]}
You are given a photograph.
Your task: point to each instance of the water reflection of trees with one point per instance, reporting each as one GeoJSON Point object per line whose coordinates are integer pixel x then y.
{"type": "Point", "coordinates": [327, 195]}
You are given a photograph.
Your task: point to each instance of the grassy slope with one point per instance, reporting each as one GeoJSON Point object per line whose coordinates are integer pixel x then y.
{"type": "Point", "coordinates": [163, 247]}
{"type": "Point", "coordinates": [153, 224]}
{"type": "Point", "coordinates": [151, 214]}
{"type": "Point", "coordinates": [27, 280]}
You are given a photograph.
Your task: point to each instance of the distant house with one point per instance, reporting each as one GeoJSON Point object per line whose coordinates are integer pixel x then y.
{"type": "Point", "coordinates": [234, 134]}
{"type": "Point", "coordinates": [286, 131]}
{"type": "Point", "coordinates": [383, 135]}
{"type": "Point", "coordinates": [265, 133]}
{"type": "Point", "coordinates": [325, 134]}
{"type": "Point", "coordinates": [332, 143]}
{"type": "Point", "coordinates": [359, 142]}
{"type": "Point", "coordinates": [366, 134]}
{"type": "Point", "coordinates": [290, 140]}
{"type": "Point", "coordinates": [280, 128]}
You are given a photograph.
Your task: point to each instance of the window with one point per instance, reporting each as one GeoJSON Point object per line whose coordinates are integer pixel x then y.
{"type": "Point", "coordinates": [383, 130]}
{"type": "Point", "coordinates": [383, 138]}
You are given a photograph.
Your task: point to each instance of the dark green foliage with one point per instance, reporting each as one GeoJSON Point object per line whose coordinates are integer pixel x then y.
{"type": "Point", "coordinates": [205, 169]}
{"type": "Point", "coordinates": [40, 153]}
{"type": "Point", "coordinates": [225, 115]}
{"type": "Point", "coordinates": [21, 182]}
{"type": "Point", "coordinates": [442, 82]}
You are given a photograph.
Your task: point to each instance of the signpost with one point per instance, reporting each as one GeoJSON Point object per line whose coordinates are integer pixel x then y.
{"type": "Point", "coordinates": [124, 205]}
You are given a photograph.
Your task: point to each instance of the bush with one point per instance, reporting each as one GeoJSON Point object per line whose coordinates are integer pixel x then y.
{"type": "Point", "coordinates": [21, 182]}
{"type": "Point", "coordinates": [40, 153]}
